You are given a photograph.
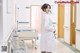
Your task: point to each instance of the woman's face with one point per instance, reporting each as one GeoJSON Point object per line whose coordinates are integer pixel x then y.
{"type": "Point", "coordinates": [48, 9]}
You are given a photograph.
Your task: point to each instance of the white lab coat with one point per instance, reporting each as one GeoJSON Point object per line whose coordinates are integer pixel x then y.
{"type": "Point", "coordinates": [47, 41]}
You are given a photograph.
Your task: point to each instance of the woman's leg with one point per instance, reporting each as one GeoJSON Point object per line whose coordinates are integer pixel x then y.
{"type": "Point", "coordinates": [43, 51]}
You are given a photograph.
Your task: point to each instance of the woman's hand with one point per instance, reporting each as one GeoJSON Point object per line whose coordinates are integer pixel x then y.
{"type": "Point", "coordinates": [50, 30]}
{"type": "Point", "coordinates": [54, 31]}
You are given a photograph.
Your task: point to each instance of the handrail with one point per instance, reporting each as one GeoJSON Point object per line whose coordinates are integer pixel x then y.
{"type": "Point", "coordinates": [54, 23]}
{"type": "Point", "coordinates": [10, 35]}
{"type": "Point", "coordinates": [23, 22]}
{"type": "Point", "coordinates": [77, 29]}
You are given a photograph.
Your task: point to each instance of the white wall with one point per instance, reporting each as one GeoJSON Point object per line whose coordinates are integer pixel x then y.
{"type": "Point", "coordinates": [78, 17]}
{"type": "Point", "coordinates": [22, 13]}
{"type": "Point", "coordinates": [7, 22]}
{"type": "Point", "coordinates": [1, 25]}
{"type": "Point", "coordinates": [1, 22]}
{"type": "Point", "coordinates": [40, 2]}
{"type": "Point", "coordinates": [78, 27]}
{"type": "Point", "coordinates": [8, 19]}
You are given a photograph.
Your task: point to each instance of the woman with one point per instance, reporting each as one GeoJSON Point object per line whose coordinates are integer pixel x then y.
{"type": "Point", "coordinates": [47, 41]}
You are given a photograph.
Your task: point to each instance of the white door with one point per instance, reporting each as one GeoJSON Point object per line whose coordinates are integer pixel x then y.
{"type": "Point", "coordinates": [67, 24]}
{"type": "Point", "coordinates": [36, 14]}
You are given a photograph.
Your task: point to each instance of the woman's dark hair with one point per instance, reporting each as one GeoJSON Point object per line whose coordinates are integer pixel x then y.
{"type": "Point", "coordinates": [45, 6]}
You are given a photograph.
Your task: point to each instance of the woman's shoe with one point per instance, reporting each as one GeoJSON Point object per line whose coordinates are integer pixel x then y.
{"type": "Point", "coordinates": [43, 52]}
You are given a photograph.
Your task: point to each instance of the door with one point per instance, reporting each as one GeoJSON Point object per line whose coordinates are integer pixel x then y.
{"type": "Point", "coordinates": [60, 21]}
{"type": "Point", "coordinates": [73, 24]}
{"type": "Point", "coordinates": [36, 14]}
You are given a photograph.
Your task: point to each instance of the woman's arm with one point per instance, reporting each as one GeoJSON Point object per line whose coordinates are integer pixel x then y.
{"type": "Point", "coordinates": [48, 25]}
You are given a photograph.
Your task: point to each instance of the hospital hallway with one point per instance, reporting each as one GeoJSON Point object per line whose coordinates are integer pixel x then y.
{"type": "Point", "coordinates": [26, 25]}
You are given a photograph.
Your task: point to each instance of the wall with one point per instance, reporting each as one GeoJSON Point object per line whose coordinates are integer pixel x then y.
{"type": "Point", "coordinates": [1, 24]}
{"type": "Point", "coordinates": [78, 17]}
{"type": "Point", "coordinates": [78, 27]}
{"type": "Point", "coordinates": [39, 2]}
{"type": "Point", "coordinates": [8, 19]}
{"type": "Point", "coordinates": [22, 13]}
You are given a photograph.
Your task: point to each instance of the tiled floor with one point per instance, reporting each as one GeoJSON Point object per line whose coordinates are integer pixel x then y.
{"type": "Point", "coordinates": [60, 48]}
